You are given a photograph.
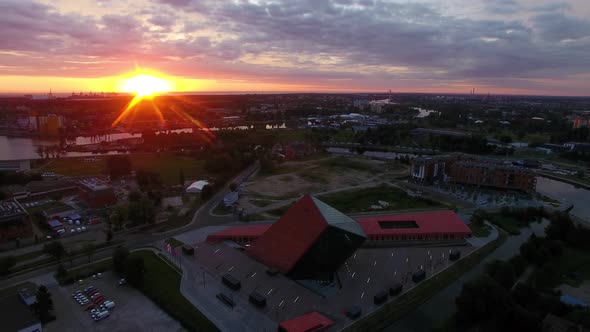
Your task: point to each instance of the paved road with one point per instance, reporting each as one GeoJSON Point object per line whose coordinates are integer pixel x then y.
{"type": "Point", "coordinates": [442, 305]}
{"type": "Point", "coordinates": [139, 239]}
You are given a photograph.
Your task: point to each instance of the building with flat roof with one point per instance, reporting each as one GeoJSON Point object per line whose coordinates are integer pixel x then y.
{"type": "Point", "coordinates": [14, 221]}
{"type": "Point", "coordinates": [15, 165]}
{"type": "Point", "coordinates": [312, 239]}
{"type": "Point", "coordinates": [420, 226]}
{"type": "Point", "coordinates": [475, 171]}
{"type": "Point", "coordinates": [17, 317]}
{"type": "Point", "coordinates": [96, 193]}
{"type": "Point", "coordinates": [313, 321]}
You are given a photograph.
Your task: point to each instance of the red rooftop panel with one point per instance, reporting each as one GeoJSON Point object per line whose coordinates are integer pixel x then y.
{"type": "Point", "coordinates": [313, 321]}
{"type": "Point", "coordinates": [429, 223]}
{"type": "Point", "coordinates": [287, 240]}
{"type": "Point", "coordinates": [250, 231]}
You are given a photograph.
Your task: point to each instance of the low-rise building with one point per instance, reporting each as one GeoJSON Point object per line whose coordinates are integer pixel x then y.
{"type": "Point", "coordinates": [17, 317]}
{"type": "Point", "coordinates": [96, 193]}
{"type": "Point", "coordinates": [14, 221]}
{"type": "Point", "coordinates": [475, 171]}
{"type": "Point", "coordinates": [15, 165]}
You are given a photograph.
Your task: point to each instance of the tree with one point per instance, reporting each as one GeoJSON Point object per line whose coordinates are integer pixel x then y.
{"type": "Point", "coordinates": [233, 186]}
{"type": "Point", "coordinates": [206, 192]}
{"type": "Point", "coordinates": [141, 212]}
{"type": "Point", "coordinates": [119, 259]}
{"type": "Point", "coordinates": [134, 196]}
{"type": "Point", "coordinates": [480, 300]}
{"type": "Point", "coordinates": [181, 179]}
{"type": "Point", "coordinates": [6, 263]}
{"type": "Point", "coordinates": [89, 249]}
{"type": "Point", "coordinates": [502, 272]}
{"type": "Point", "coordinates": [109, 235]}
{"type": "Point", "coordinates": [134, 270]}
{"type": "Point", "coordinates": [61, 272]}
{"type": "Point", "coordinates": [40, 150]}
{"type": "Point", "coordinates": [118, 166]}
{"type": "Point", "coordinates": [44, 304]}
{"type": "Point", "coordinates": [55, 249]}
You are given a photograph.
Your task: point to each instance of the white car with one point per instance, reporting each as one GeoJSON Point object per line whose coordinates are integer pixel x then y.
{"type": "Point", "coordinates": [70, 221]}
{"type": "Point", "coordinates": [72, 231]}
{"type": "Point", "coordinates": [83, 228]}
{"type": "Point", "coordinates": [79, 230]}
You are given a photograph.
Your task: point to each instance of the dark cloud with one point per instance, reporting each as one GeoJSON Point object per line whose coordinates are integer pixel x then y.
{"type": "Point", "coordinates": [316, 40]}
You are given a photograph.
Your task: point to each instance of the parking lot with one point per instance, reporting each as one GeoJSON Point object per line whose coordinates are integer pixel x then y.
{"type": "Point", "coordinates": [365, 274]}
{"type": "Point", "coordinates": [132, 312]}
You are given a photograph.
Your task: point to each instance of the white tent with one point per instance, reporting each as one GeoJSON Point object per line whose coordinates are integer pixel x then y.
{"type": "Point", "coordinates": [196, 187]}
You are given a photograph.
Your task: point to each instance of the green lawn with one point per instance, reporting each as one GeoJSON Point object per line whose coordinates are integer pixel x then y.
{"type": "Point", "coordinates": [174, 242]}
{"type": "Point", "coordinates": [509, 224]}
{"type": "Point", "coordinates": [162, 285]}
{"type": "Point", "coordinates": [479, 230]}
{"type": "Point", "coordinates": [221, 209]}
{"type": "Point", "coordinates": [167, 165]}
{"type": "Point", "coordinates": [362, 199]}
{"type": "Point", "coordinates": [29, 256]}
{"type": "Point", "coordinates": [76, 166]}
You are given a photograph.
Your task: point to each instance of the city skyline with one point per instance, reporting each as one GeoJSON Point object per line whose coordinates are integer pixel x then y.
{"type": "Point", "coordinates": [500, 47]}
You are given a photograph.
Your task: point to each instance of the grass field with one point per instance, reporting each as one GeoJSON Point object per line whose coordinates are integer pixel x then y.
{"type": "Point", "coordinates": [29, 256]}
{"type": "Point", "coordinates": [362, 199]}
{"type": "Point", "coordinates": [167, 165]}
{"type": "Point", "coordinates": [162, 285]}
{"type": "Point", "coordinates": [509, 224]}
{"type": "Point", "coordinates": [174, 242]}
{"type": "Point", "coordinates": [479, 230]}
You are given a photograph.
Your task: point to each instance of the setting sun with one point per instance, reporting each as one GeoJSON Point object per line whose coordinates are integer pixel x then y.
{"type": "Point", "coordinates": [146, 85]}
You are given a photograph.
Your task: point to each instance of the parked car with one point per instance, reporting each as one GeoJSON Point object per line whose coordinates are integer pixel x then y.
{"type": "Point", "coordinates": [84, 229]}
{"type": "Point", "coordinates": [122, 281]}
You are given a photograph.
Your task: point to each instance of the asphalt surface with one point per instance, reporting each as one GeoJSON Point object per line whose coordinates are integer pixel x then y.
{"type": "Point", "coordinates": [442, 305]}
{"type": "Point", "coordinates": [201, 218]}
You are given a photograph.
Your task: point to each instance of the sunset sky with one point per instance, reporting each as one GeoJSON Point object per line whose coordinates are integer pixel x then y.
{"type": "Point", "coordinates": [496, 46]}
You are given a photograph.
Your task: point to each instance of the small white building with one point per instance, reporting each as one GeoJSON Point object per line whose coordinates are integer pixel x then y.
{"type": "Point", "coordinates": [196, 187]}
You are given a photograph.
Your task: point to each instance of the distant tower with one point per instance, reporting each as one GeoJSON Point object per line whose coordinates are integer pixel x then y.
{"type": "Point", "coordinates": [389, 98]}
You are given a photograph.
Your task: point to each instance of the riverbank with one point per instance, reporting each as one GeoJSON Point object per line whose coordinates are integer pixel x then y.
{"type": "Point", "coordinates": [562, 179]}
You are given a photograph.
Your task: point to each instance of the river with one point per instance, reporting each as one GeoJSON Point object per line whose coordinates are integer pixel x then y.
{"type": "Point", "coordinates": [567, 194]}
{"type": "Point", "coordinates": [18, 148]}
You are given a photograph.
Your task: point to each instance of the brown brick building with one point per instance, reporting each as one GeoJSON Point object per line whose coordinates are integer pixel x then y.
{"type": "Point", "coordinates": [96, 194]}
{"type": "Point", "coordinates": [14, 221]}
{"type": "Point", "coordinates": [471, 170]}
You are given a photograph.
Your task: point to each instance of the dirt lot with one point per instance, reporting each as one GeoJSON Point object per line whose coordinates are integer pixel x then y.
{"type": "Point", "coordinates": [133, 311]}
{"type": "Point", "coordinates": [294, 178]}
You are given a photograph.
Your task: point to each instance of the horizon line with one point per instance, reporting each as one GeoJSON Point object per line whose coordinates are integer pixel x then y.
{"type": "Point", "coordinates": [346, 92]}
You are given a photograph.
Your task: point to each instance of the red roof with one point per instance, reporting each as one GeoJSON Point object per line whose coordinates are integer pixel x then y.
{"type": "Point", "coordinates": [313, 321]}
{"type": "Point", "coordinates": [436, 222]}
{"type": "Point", "coordinates": [287, 240]}
{"type": "Point", "coordinates": [251, 231]}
